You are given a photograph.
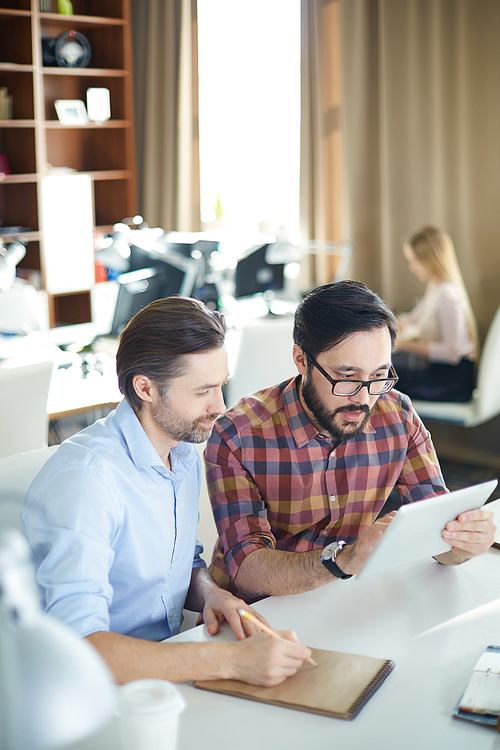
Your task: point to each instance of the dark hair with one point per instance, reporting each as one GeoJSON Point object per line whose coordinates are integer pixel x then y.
{"type": "Point", "coordinates": [156, 339]}
{"type": "Point", "coordinates": [331, 313]}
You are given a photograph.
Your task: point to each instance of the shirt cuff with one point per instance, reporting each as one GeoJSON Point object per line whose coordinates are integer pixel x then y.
{"type": "Point", "coordinates": [240, 551]}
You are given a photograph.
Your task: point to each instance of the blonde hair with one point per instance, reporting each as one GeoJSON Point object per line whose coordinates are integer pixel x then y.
{"type": "Point", "coordinates": [433, 248]}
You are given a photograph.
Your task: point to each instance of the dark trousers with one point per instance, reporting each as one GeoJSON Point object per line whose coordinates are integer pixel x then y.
{"type": "Point", "coordinates": [433, 381]}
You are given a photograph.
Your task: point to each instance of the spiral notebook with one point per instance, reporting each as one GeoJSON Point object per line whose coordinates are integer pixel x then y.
{"type": "Point", "coordinates": [339, 686]}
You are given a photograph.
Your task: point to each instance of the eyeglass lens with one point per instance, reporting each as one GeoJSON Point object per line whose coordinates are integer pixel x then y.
{"type": "Point", "coordinates": [350, 387]}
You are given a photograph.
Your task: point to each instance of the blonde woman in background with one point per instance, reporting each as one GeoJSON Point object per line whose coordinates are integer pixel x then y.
{"type": "Point", "coordinates": [437, 346]}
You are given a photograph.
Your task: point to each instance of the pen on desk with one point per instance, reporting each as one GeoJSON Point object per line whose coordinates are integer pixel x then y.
{"type": "Point", "coordinates": [246, 614]}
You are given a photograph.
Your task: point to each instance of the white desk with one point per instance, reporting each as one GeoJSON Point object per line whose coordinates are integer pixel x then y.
{"type": "Point", "coordinates": [433, 621]}
{"type": "Point", "coordinates": [70, 394]}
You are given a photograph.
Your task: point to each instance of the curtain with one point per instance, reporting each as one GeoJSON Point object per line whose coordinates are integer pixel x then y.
{"type": "Point", "coordinates": [421, 123]}
{"type": "Point", "coordinates": [164, 37]}
{"type": "Point", "coordinates": [321, 136]}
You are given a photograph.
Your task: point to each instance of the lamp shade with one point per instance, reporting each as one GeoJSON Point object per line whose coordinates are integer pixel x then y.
{"type": "Point", "coordinates": [55, 688]}
{"type": "Point", "coordinates": [10, 256]}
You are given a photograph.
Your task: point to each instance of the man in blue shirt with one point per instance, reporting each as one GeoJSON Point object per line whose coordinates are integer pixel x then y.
{"type": "Point", "coordinates": [112, 515]}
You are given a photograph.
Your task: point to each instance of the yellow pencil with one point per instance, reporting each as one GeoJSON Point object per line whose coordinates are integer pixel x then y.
{"type": "Point", "coordinates": [262, 625]}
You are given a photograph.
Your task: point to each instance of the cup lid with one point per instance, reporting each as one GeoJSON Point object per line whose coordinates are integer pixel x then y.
{"type": "Point", "coordinates": [150, 696]}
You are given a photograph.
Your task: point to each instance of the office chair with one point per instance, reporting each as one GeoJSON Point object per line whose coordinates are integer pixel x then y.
{"type": "Point", "coordinates": [262, 356]}
{"type": "Point", "coordinates": [207, 534]}
{"type": "Point", "coordinates": [16, 474]}
{"type": "Point", "coordinates": [24, 422]}
{"type": "Point", "coordinates": [485, 402]}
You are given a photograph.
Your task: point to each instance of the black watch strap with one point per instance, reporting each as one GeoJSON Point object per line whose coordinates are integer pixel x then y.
{"type": "Point", "coordinates": [334, 569]}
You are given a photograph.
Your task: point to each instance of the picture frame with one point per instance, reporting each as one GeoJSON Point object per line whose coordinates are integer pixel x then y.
{"type": "Point", "coordinates": [71, 111]}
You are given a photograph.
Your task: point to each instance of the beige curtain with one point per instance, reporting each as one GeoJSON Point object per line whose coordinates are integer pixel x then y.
{"type": "Point", "coordinates": [321, 137]}
{"type": "Point", "coordinates": [166, 112]}
{"type": "Point", "coordinates": [421, 121]}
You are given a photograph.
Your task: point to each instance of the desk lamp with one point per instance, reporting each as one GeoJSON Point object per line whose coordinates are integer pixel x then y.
{"type": "Point", "coordinates": [54, 688]}
{"type": "Point", "coordinates": [283, 251]}
{"type": "Point", "coordinates": [10, 256]}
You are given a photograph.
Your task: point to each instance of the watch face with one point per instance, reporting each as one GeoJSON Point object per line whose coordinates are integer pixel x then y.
{"type": "Point", "coordinates": [329, 551]}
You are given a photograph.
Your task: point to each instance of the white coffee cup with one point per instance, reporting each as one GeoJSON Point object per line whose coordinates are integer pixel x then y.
{"type": "Point", "coordinates": [148, 713]}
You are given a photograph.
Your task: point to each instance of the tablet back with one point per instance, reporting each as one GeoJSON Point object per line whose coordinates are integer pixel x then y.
{"type": "Point", "coordinates": [415, 531]}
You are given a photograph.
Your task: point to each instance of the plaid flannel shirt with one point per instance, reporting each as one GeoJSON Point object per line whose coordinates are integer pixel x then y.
{"type": "Point", "coordinates": [275, 482]}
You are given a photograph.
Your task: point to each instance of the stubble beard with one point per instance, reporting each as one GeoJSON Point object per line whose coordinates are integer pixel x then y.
{"type": "Point", "coordinates": [181, 430]}
{"type": "Point", "coordinates": [328, 420]}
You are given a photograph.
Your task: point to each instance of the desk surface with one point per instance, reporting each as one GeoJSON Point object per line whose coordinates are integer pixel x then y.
{"type": "Point", "coordinates": [70, 395]}
{"type": "Point", "coordinates": [433, 621]}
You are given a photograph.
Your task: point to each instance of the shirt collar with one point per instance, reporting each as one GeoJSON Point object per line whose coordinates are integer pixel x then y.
{"type": "Point", "coordinates": [141, 449]}
{"type": "Point", "coordinates": [303, 430]}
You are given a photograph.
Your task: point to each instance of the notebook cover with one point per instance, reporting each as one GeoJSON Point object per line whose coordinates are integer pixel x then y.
{"type": "Point", "coordinates": [339, 686]}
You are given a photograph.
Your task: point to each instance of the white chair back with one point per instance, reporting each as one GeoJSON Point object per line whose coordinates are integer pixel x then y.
{"type": "Point", "coordinates": [263, 358]}
{"type": "Point", "coordinates": [488, 404]}
{"type": "Point", "coordinates": [24, 423]}
{"type": "Point", "coordinates": [207, 533]}
{"type": "Point", "coordinates": [16, 474]}
{"type": "Point", "coordinates": [207, 530]}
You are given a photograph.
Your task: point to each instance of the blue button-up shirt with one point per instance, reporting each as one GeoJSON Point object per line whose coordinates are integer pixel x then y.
{"type": "Point", "coordinates": [113, 531]}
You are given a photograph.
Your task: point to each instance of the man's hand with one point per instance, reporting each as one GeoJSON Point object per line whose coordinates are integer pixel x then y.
{"type": "Point", "coordinates": [221, 605]}
{"type": "Point", "coordinates": [264, 660]}
{"type": "Point", "coordinates": [470, 535]}
{"type": "Point", "coordinates": [353, 556]}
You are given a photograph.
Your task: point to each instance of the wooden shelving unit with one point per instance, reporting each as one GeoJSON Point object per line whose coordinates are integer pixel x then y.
{"type": "Point", "coordinates": [34, 140]}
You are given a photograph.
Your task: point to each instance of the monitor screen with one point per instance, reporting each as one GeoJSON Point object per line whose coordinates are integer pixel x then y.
{"type": "Point", "coordinates": [254, 274]}
{"type": "Point", "coordinates": [138, 288]}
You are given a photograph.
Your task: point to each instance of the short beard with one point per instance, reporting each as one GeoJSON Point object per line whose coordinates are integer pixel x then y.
{"type": "Point", "coordinates": [326, 418]}
{"type": "Point", "coordinates": [180, 429]}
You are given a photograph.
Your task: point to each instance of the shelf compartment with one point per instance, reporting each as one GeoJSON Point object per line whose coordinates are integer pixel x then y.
{"type": "Point", "coordinates": [18, 144]}
{"type": "Point", "coordinates": [15, 31]}
{"type": "Point", "coordinates": [106, 42]}
{"type": "Point", "coordinates": [111, 201]}
{"type": "Point", "coordinates": [20, 85]}
{"type": "Point", "coordinates": [107, 8]}
{"type": "Point", "coordinates": [72, 308]}
{"type": "Point", "coordinates": [75, 87]}
{"type": "Point", "coordinates": [18, 204]}
{"type": "Point", "coordinates": [31, 260]}
{"type": "Point", "coordinates": [87, 150]}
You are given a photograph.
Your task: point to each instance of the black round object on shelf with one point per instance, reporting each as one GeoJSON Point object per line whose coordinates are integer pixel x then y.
{"type": "Point", "coordinates": [72, 50]}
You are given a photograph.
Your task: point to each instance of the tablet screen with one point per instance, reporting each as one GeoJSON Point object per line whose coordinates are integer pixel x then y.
{"type": "Point", "coordinates": [415, 531]}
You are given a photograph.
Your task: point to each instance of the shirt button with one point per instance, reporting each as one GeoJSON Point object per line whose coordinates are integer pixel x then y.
{"type": "Point", "coordinates": [332, 498]}
{"type": "Point", "coordinates": [171, 613]}
{"type": "Point", "coordinates": [324, 532]}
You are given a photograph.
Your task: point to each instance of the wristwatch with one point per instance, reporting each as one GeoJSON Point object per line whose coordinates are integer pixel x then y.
{"type": "Point", "coordinates": [328, 557]}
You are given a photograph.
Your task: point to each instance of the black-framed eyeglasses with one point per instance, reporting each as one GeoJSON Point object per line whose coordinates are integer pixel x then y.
{"type": "Point", "coordinates": [351, 387]}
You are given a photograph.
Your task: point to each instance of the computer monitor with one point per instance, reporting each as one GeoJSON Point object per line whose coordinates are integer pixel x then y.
{"type": "Point", "coordinates": [254, 274]}
{"type": "Point", "coordinates": [138, 288]}
{"type": "Point", "coordinates": [185, 243]}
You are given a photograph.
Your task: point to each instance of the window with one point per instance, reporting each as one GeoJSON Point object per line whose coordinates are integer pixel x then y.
{"type": "Point", "coordinates": [249, 111]}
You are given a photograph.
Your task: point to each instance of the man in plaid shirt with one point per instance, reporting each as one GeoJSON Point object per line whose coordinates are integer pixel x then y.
{"type": "Point", "coordinates": [299, 472]}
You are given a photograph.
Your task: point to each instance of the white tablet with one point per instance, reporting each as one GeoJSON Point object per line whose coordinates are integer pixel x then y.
{"type": "Point", "coordinates": [414, 533]}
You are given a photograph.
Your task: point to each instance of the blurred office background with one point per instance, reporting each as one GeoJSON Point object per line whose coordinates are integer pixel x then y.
{"type": "Point", "coordinates": [328, 127]}
{"type": "Point", "coordinates": [399, 122]}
